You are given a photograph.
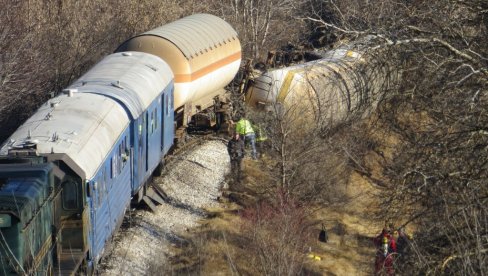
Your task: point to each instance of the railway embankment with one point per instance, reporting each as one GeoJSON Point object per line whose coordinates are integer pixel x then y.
{"type": "Point", "coordinates": [192, 180]}
{"type": "Point", "coordinates": [203, 228]}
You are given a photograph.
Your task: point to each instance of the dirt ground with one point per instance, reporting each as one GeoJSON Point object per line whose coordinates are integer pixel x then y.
{"type": "Point", "coordinates": [350, 227]}
{"type": "Point", "coordinates": [350, 249]}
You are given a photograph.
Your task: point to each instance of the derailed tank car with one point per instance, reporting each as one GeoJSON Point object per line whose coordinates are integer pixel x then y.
{"type": "Point", "coordinates": [319, 93]}
{"type": "Point", "coordinates": [204, 54]}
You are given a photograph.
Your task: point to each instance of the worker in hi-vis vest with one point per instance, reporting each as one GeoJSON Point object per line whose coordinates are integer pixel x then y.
{"type": "Point", "coordinates": [245, 130]}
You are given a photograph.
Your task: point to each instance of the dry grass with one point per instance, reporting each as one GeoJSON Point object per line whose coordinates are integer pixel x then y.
{"type": "Point", "coordinates": [223, 246]}
{"type": "Point", "coordinates": [351, 228]}
{"type": "Point", "coordinates": [219, 246]}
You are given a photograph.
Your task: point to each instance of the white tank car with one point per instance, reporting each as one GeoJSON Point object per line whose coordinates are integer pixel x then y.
{"type": "Point", "coordinates": [318, 93]}
{"type": "Point", "coordinates": [203, 52]}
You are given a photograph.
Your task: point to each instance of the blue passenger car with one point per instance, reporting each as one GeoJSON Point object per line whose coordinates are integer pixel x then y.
{"type": "Point", "coordinates": [143, 84]}
{"type": "Point", "coordinates": [140, 83]}
{"type": "Point", "coordinates": [68, 174]}
{"type": "Point", "coordinates": [106, 134]}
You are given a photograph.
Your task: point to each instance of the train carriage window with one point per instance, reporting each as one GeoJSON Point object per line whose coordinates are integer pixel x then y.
{"type": "Point", "coordinates": [156, 118]}
{"type": "Point", "coordinates": [168, 104]}
{"type": "Point", "coordinates": [102, 188]}
{"type": "Point", "coordinates": [126, 152]}
{"type": "Point", "coordinates": [123, 154]}
{"type": "Point", "coordinates": [119, 159]}
{"type": "Point", "coordinates": [114, 167]}
{"type": "Point", "coordinates": [105, 175]}
{"type": "Point", "coordinates": [99, 196]}
{"type": "Point", "coordinates": [70, 195]}
{"type": "Point", "coordinates": [151, 122]}
{"type": "Point", "coordinates": [95, 193]}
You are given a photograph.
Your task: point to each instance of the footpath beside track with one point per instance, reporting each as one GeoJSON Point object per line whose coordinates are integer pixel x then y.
{"type": "Point", "coordinates": [191, 179]}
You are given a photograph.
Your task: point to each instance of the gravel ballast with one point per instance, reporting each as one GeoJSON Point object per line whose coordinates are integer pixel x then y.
{"type": "Point", "coordinates": [192, 181]}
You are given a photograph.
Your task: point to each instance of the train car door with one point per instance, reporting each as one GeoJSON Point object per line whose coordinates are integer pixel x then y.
{"type": "Point", "coordinates": [154, 133]}
{"type": "Point", "coordinates": [73, 218]}
{"type": "Point", "coordinates": [139, 154]}
{"type": "Point", "coordinates": [167, 120]}
{"type": "Point", "coordinates": [142, 148]}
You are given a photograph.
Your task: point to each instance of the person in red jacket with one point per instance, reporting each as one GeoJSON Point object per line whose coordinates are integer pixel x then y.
{"type": "Point", "coordinates": [385, 252]}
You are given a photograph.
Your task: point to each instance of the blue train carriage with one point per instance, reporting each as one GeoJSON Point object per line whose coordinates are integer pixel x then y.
{"type": "Point", "coordinates": [104, 137]}
{"type": "Point", "coordinates": [143, 85]}
{"type": "Point", "coordinates": [76, 133]}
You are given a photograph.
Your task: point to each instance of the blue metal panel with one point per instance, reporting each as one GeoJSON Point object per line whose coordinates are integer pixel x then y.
{"type": "Point", "coordinates": [110, 193]}
{"type": "Point", "coordinates": [167, 118]}
{"type": "Point", "coordinates": [154, 134]}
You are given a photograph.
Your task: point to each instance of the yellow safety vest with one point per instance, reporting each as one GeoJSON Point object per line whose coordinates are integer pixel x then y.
{"type": "Point", "coordinates": [244, 127]}
{"type": "Point", "coordinates": [260, 134]}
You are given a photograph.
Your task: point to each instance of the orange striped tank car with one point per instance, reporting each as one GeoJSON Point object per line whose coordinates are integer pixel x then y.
{"type": "Point", "coordinates": [204, 54]}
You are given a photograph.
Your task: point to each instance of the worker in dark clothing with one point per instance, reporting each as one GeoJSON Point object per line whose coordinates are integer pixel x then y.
{"type": "Point", "coordinates": [402, 240]}
{"type": "Point", "coordinates": [235, 148]}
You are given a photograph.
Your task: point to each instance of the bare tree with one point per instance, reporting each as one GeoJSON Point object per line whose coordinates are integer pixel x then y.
{"type": "Point", "coordinates": [307, 104]}
{"type": "Point", "coordinates": [278, 232]}
{"type": "Point", "coordinates": [263, 25]}
{"type": "Point", "coordinates": [437, 171]}
{"type": "Point", "coordinates": [47, 44]}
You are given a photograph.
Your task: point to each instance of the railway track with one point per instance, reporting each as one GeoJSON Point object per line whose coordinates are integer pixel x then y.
{"type": "Point", "coordinates": [191, 179]}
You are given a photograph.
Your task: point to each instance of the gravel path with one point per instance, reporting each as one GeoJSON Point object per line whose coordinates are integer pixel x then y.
{"type": "Point", "coordinates": [192, 180]}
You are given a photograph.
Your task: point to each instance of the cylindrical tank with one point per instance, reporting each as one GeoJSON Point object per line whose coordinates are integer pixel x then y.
{"type": "Point", "coordinates": [202, 50]}
{"type": "Point", "coordinates": [318, 93]}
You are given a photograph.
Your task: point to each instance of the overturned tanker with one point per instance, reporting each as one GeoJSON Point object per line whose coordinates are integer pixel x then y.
{"type": "Point", "coordinates": [322, 93]}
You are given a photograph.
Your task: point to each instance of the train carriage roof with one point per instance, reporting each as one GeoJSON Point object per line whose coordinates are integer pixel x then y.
{"type": "Point", "coordinates": [196, 34]}
{"type": "Point", "coordinates": [79, 128]}
{"type": "Point", "coordinates": [133, 78]}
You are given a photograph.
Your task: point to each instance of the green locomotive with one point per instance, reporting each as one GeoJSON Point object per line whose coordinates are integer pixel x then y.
{"type": "Point", "coordinates": [27, 217]}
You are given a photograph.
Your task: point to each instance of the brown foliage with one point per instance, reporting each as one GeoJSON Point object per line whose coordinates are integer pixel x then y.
{"type": "Point", "coordinates": [277, 232]}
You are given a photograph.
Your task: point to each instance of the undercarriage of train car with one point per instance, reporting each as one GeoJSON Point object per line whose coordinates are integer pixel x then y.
{"type": "Point", "coordinates": [204, 116]}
